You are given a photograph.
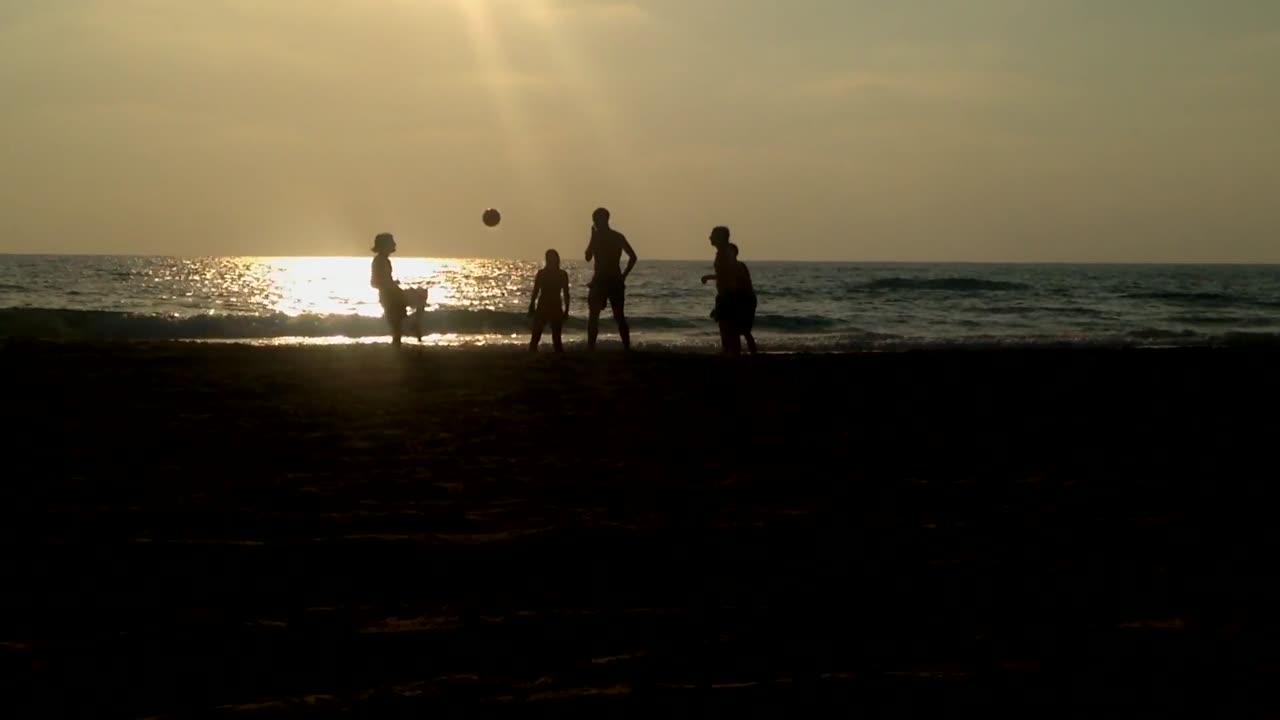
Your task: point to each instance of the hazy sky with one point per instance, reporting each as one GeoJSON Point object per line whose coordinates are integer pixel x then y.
{"type": "Point", "coordinates": [1092, 130]}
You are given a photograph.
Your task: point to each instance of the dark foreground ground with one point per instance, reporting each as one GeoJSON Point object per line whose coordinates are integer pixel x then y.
{"type": "Point", "coordinates": [255, 532]}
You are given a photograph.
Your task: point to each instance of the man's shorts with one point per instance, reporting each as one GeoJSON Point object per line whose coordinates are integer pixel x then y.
{"type": "Point", "coordinates": [736, 308]}
{"type": "Point", "coordinates": [607, 290]}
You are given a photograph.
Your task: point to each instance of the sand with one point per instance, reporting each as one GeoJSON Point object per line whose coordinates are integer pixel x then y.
{"type": "Point", "coordinates": [259, 532]}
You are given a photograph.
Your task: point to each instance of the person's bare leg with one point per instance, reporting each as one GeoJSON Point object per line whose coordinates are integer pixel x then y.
{"type": "Point", "coordinates": [396, 322]}
{"type": "Point", "coordinates": [624, 330]}
{"type": "Point", "coordinates": [538, 323]}
{"type": "Point", "coordinates": [593, 328]}
{"type": "Point", "coordinates": [556, 327]}
{"type": "Point", "coordinates": [418, 310]}
{"type": "Point", "coordinates": [751, 343]}
{"type": "Point", "coordinates": [415, 325]}
{"type": "Point", "coordinates": [730, 341]}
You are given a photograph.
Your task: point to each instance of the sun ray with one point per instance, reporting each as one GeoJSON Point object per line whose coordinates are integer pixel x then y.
{"type": "Point", "coordinates": [608, 132]}
{"type": "Point", "coordinates": [605, 125]}
{"type": "Point", "coordinates": [523, 155]}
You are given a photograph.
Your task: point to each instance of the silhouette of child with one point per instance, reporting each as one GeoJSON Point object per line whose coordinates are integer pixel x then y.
{"type": "Point", "coordinates": [550, 285]}
{"type": "Point", "coordinates": [391, 296]}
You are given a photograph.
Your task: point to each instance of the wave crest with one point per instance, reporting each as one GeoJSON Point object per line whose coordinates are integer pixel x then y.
{"type": "Point", "coordinates": [1204, 299]}
{"type": "Point", "coordinates": [946, 284]}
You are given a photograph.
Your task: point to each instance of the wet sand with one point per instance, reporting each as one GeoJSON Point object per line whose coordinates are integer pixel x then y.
{"type": "Point", "coordinates": [263, 532]}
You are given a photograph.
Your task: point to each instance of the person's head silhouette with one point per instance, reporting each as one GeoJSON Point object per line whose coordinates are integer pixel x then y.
{"type": "Point", "coordinates": [553, 259]}
{"type": "Point", "coordinates": [384, 243]}
{"type": "Point", "coordinates": [719, 236]}
{"type": "Point", "coordinates": [600, 217]}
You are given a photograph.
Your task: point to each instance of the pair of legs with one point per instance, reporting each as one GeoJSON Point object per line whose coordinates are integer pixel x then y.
{"type": "Point", "coordinates": [612, 293]}
{"type": "Point", "coordinates": [542, 319]}
{"type": "Point", "coordinates": [395, 315]}
{"type": "Point", "coordinates": [395, 309]}
{"type": "Point", "coordinates": [736, 316]}
{"type": "Point", "coordinates": [731, 339]}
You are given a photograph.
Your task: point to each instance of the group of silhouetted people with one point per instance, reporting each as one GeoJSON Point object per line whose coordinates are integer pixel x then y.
{"type": "Point", "coordinates": [734, 310]}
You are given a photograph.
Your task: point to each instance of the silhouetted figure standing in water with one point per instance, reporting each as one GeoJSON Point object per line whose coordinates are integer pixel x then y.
{"type": "Point", "coordinates": [608, 283]}
{"type": "Point", "coordinates": [549, 286]}
{"type": "Point", "coordinates": [735, 308]}
{"type": "Point", "coordinates": [391, 296]}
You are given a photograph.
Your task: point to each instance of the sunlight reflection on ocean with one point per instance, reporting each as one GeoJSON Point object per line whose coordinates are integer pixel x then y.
{"type": "Point", "coordinates": [340, 285]}
{"type": "Point", "coordinates": [327, 286]}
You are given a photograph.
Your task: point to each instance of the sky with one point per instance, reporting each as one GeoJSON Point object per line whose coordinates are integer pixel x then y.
{"type": "Point", "coordinates": [919, 130]}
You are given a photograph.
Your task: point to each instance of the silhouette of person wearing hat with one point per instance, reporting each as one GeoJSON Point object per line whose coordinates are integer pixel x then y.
{"type": "Point", "coordinates": [393, 298]}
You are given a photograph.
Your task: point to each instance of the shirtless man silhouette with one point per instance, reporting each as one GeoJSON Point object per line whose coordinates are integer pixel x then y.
{"type": "Point", "coordinates": [608, 283]}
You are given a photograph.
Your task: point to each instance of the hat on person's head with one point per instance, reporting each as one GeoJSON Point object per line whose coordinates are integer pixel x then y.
{"type": "Point", "coordinates": [382, 241]}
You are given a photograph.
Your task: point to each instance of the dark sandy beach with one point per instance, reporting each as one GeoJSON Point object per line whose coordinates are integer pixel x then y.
{"type": "Point", "coordinates": [261, 532]}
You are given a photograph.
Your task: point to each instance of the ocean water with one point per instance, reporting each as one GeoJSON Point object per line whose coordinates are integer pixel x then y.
{"type": "Point", "coordinates": [802, 306]}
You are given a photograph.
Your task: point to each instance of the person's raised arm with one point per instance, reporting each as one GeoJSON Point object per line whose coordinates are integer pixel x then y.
{"type": "Point", "coordinates": [631, 258]}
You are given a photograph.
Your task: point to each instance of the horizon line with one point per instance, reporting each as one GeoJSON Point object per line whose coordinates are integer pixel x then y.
{"type": "Point", "coordinates": [668, 260]}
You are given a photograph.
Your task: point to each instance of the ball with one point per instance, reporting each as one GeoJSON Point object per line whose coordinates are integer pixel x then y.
{"type": "Point", "coordinates": [491, 217]}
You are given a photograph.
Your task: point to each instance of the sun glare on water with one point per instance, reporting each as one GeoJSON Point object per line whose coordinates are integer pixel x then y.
{"type": "Point", "coordinates": [340, 285]}
{"type": "Point", "coordinates": [328, 289]}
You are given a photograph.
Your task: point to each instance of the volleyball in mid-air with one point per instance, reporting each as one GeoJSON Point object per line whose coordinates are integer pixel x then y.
{"type": "Point", "coordinates": [491, 217]}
